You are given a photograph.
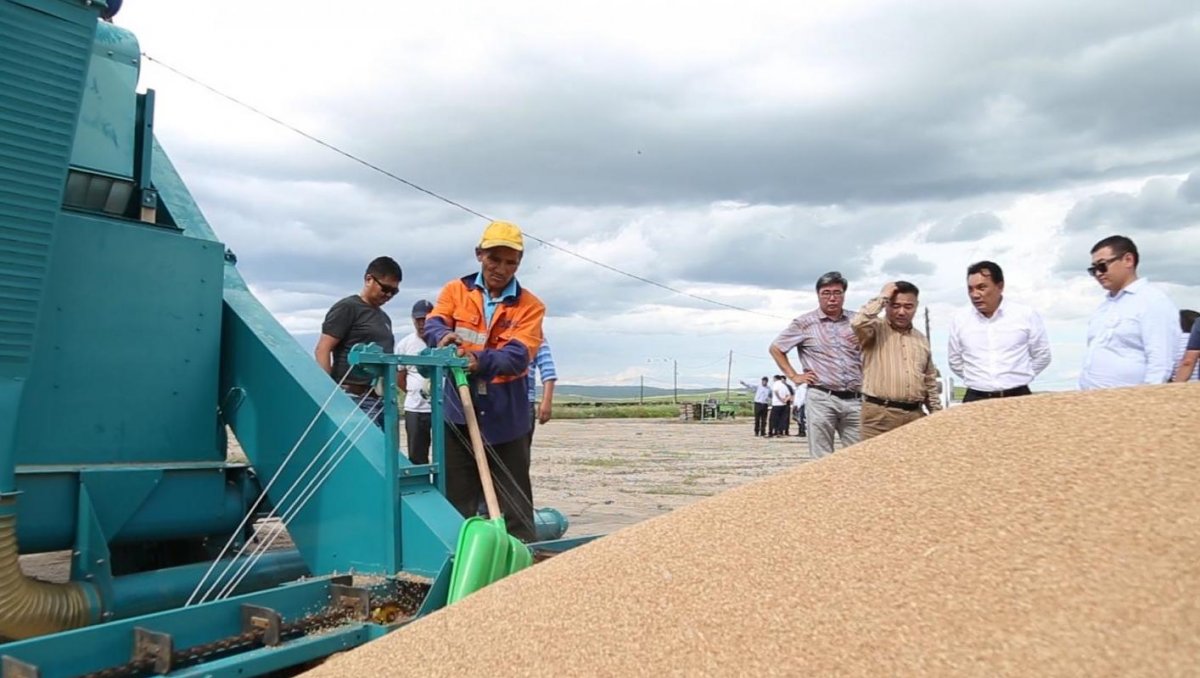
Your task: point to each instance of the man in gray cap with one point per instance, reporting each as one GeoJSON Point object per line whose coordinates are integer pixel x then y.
{"type": "Point", "coordinates": [417, 409]}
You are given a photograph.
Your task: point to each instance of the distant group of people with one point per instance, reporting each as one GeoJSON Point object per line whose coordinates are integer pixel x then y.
{"type": "Point", "coordinates": [868, 374]}
{"type": "Point", "coordinates": [497, 325]}
{"type": "Point", "coordinates": [774, 398]}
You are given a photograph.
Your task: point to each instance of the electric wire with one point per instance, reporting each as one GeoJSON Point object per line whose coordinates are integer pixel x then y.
{"type": "Point", "coordinates": [437, 196]}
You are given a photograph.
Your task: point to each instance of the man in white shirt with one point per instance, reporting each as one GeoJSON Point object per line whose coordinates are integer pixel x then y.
{"type": "Point", "coordinates": [417, 409]}
{"type": "Point", "coordinates": [998, 346]}
{"type": "Point", "coordinates": [1131, 336]}
{"type": "Point", "coordinates": [798, 414]}
{"type": "Point", "coordinates": [762, 403]}
{"type": "Point", "coordinates": [780, 396]}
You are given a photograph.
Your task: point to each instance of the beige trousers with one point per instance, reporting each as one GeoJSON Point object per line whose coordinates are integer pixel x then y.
{"type": "Point", "coordinates": [877, 419]}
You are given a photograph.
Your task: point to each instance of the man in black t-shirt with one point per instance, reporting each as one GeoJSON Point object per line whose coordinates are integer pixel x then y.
{"type": "Point", "coordinates": [359, 319]}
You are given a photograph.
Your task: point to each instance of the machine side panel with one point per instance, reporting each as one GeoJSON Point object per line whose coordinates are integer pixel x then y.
{"type": "Point", "coordinates": [115, 289]}
{"type": "Point", "coordinates": [43, 59]}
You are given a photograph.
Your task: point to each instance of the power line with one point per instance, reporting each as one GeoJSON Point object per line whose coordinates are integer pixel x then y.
{"type": "Point", "coordinates": [376, 168]}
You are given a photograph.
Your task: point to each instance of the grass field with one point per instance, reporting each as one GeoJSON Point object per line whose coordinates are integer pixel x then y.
{"type": "Point", "coordinates": [651, 407]}
{"type": "Point", "coordinates": [571, 406]}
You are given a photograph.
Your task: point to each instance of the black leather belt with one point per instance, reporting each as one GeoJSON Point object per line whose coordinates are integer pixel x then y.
{"type": "Point", "coordinates": [907, 407]}
{"type": "Point", "coordinates": [1008, 393]}
{"type": "Point", "coordinates": [844, 395]}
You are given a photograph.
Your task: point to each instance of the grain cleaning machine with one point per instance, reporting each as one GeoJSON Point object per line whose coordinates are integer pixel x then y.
{"type": "Point", "coordinates": [129, 346]}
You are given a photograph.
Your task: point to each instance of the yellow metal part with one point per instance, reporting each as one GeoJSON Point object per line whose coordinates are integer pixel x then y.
{"type": "Point", "coordinates": [29, 607]}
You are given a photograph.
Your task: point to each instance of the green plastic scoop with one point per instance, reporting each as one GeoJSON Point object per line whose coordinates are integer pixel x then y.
{"type": "Point", "coordinates": [485, 551]}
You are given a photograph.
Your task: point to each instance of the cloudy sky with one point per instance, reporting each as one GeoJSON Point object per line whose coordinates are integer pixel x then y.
{"type": "Point", "coordinates": [734, 151]}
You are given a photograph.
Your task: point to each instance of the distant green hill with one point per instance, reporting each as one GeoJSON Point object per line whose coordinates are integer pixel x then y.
{"type": "Point", "coordinates": [570, 392]}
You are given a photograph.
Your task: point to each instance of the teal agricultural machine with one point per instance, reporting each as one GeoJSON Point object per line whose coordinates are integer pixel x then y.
{"type": "Point", "coordinates": [129, 346]}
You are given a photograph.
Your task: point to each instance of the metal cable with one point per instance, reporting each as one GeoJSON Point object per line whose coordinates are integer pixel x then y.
{"type": "Point", "coordinates": [233, 537]}
{"type": "Point", "coordinates": [498, 462]}
{"type": "Point", "coordinates": [306, 494]}
{"type": "Point", "coordinates": [281, 500]}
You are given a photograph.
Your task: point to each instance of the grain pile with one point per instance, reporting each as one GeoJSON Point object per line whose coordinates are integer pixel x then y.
{"type": "Point", "coordinates": [1048, 535]}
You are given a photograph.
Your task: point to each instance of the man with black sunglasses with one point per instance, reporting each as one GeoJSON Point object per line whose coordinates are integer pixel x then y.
{"type": "Point", "coordinates": [359, 319]}
{"type": "Point", "coordinates": [1131, 336]}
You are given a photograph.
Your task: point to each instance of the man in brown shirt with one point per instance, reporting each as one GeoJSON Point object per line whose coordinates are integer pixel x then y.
{"type": "Point", "coordinates": [899, 377]}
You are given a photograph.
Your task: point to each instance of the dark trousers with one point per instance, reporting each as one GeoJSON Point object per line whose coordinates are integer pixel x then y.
{"type": "Point", "coordinates": [760, 418]}
{"type": "Point", "coordinates": [370, 404]}
{"type": "Point", "coordinates": [972, 395]}
{"type": "Point", "coordinates": [778, 419]}
{"type": "Point", "coordinates": [533, 411]}
{"type": "Point", "coordinates": [513, 488]}
{"type": "Point", "coordinates": [801, 424]}
{"type": "Point", "coordinates": [419, 428]}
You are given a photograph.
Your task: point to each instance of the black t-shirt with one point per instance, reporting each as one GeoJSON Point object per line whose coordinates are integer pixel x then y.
{"type": "Point", "coordinates": [354, 321]}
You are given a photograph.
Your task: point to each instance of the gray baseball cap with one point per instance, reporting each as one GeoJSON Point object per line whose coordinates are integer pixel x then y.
{"type": "Point", "coordinates": [421, 309]}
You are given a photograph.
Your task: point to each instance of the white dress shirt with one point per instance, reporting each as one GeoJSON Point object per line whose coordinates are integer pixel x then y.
{"type": "Point", "coordinates": [998, 353]}
{"type": "Point", "coordinates": [1131, 339]}
{"type": "Point", "coordinates": [762, 394]}
{"type": "Point", "coordinates": [416, 399]}
{"type": "Point", "coordinates": [779, 394]}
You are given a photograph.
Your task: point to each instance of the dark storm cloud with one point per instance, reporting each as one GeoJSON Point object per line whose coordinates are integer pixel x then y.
{"type": "Point", "coordinates": [1161, 205]}
{"type": "Point", "coordinates": [986, 105]}
{"type": "Point", "coordinates": [1163, 218]}
{"type": "Point", "coordinates": [970, 227]}
{"type": "Point", "coordinates": [907, 264]}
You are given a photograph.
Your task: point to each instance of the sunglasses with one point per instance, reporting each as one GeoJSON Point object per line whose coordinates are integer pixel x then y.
{"type": "Point", "coordinates": [1101, 267]}
{"type": "Point", "coordinates": [386, 289]}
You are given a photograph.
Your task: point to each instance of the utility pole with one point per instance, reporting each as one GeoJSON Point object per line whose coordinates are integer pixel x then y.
{"type": "Point", "coordinates": [927, 335]}
{"type": "Point", "coordinates": [675, 363]}
{"type": "Point", "coordinates": [728, 375]}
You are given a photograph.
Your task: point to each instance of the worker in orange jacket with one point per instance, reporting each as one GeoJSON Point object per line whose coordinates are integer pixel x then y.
{"type": "Point", "coordinates": [497, 326]}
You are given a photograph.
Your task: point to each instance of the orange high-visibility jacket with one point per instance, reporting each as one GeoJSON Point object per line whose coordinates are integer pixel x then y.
{"type": "Point", "coordinates": [504, 349]}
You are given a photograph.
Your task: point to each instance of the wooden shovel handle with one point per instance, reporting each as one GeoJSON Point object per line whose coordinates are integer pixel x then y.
{"type": "Point", "coordinates": [485, 473]}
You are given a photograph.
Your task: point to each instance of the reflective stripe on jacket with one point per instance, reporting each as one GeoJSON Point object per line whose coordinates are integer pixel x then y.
{"type": "Point", "coordinates": [505, 350]}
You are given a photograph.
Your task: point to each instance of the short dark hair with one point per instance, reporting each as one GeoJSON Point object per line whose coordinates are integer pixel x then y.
{"type": "Point", "coordinates": [765, 379]}
{"type": "Point", "coordinates": [832, 278]}
{"type": "Point", "coordinates": [384, 267]}
{"type": "Point", "coordinates": [989, 268]}
{"type": "Point", "coordinates": [1187, 318]}
{"type": "Point", "coordinates": [905, 287]}
{"type": "Point", "coordinates": [1120, 246]}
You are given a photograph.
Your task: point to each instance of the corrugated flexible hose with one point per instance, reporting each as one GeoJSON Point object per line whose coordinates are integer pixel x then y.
{"type": "Point", "coordinates": [29, 607]}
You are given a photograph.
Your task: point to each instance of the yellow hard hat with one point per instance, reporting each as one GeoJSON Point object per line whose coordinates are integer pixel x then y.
{"type": "Point", "coordinates": [502, 234]}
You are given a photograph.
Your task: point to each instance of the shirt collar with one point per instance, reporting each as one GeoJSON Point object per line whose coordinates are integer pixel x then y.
{"type": "Point", "coordinates": [509, 292]}
{"type": "Point", "coordinates": [1132, 288]}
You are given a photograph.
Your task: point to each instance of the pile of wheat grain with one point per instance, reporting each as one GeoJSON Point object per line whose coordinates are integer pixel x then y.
{"type": "Point", "coordinates": [1055, 534]}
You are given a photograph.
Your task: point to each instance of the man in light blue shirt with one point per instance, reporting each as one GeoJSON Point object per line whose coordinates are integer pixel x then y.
{"type": "Point", "coordinates": [1131, 336]}
{"type": "Point", "coordinates": [543, 364]}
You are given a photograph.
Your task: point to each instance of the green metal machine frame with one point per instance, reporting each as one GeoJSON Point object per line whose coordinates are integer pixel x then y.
{"type": "Point", "coordinates": [129, 345]}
